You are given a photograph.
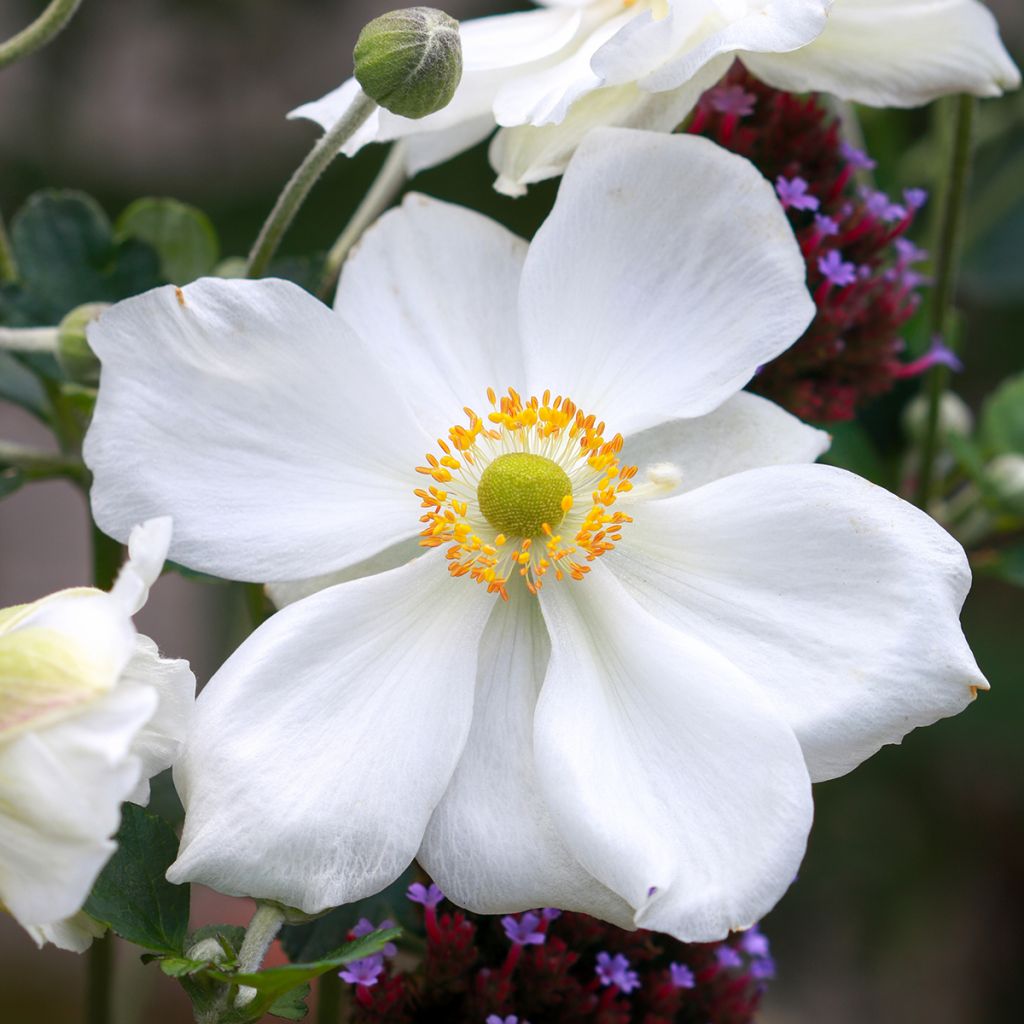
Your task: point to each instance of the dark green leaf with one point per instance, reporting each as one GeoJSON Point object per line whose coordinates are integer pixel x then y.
{"type": "Point", "coordinates": [132, 896]}
{"type": "Point", "coordinates": [18, 384]}
{"type": "Point", "coordinates": [179, 966]}
{"type": "Point", "coordinates": [11, 480]}
{"type": "Point", "coordinates": [182, 236]}
{"type": "Point", "coordinates": [292, 1005]}
{"type": "Point", "coordinates": [1002, 417]}
{"type": "Point", "coordinates": [67, 255]}
{"type": "Point", "coordinates": [274, 982]}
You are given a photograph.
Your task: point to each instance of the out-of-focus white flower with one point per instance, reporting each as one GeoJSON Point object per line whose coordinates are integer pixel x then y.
{"type": "Point", "coordinates": [698, 623]}
{"type": "Point", "coordinates": [548, 76]}
{"type": "Point", "coordinates": [89, 712]}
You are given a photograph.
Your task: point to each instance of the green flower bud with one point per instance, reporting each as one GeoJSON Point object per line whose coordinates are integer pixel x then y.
{"type": "Point", "coordinates": [955, 418]}
{"type": "Point", "coordinates": [410, 61]}
{"type": "Point", "coordinates": [1005, 475]}
{"type": "Point", "coordinates": [73, 353]}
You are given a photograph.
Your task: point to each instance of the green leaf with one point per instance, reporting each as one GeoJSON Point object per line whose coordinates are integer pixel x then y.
{"type": "Point", "coordinates": [182, 236]}
{"type": "Point", "coordinates": [274, 982]}
{"type": "Point", "coordinates": [131, 896]}
{"type": "Point", "coordinates": [853, 449]}
{"type": "Point", "coordinates": [1007, 566]}
{"type": "Point", "coordinates": [180, 966]}
{"type": "Point", "coordinates": [1002, 417]}
{"type": "Point", "coordinates": [18, 384]}
{"type": "Point", "coordinates": [67, 255]}
{"type": "Point", "coordinates": [292, 1005]}
{"type": "Point", "coordinates": [11, 480]}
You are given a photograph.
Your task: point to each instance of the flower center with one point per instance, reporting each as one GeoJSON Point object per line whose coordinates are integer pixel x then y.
{"type": "Point", "coordinates": [519, 493]}
{"type": "Point", "coordinates": [502, 488]}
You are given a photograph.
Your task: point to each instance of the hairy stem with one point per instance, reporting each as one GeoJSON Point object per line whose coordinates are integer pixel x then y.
{"type": "Point", "coordinates": [295, 192]}
{"type": "Point", "coordinates": [262, 931]}
{"type": "Point", "coordinates": [40, 32]}
{"type": "Point", "coordinates": [946, 251]}
{"type": "Point", "coordinates": [385, 189]}
{"type": "Point", "coordinates": [28, 339]}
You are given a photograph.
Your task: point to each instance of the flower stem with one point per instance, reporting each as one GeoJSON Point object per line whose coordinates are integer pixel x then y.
{"type": "Point", "coordinates": [385, 189]}
{"type": "Point", "coordinates": [27, 339]}
{"type": "Point", "coordinates": [8, 264]}
{"type": "Point", "coordinates": [262, 931]}
{"type": "Point", "coordinates": [39, 33]}
{"type": "Point", "coordinates": [40, 465]}
{"type": "Point", "coordinates": [951, 217]}
{"type": "Point", "coordinates": [295, 192]}
{"type": "Point", "coordinates": [99, 966]}
{"type": "Point", "coordinates": [329, 1004]}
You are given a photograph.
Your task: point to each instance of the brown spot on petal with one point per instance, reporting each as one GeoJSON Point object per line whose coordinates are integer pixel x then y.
{"type": "Point", "coordinates": [181, 297]}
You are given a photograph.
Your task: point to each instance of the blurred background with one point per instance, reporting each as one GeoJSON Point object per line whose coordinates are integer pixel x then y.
{"type": "Point", "coordinates": [910, 901]}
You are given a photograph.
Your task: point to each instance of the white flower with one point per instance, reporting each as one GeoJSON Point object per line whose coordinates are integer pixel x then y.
{"type": "Point", "coordinates": [89, 712]}
{"type": "Point", "coordinates": [637, 743]}
{"type": "Point", "coordinates": [546, 77]}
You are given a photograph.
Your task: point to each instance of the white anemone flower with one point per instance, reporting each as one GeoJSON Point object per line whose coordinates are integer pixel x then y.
{"type": "Point", "coordinates": [548, 76]}
{"type": "Point", "coordinates": [89, 712]}
{"type": "Point", "coordinates": [699, 621]}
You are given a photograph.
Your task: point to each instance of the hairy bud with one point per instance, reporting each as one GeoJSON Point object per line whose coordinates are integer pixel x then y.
{"type": "Point", "coordinates": [410, 61]}
{"type": "Point", "coordinates": [73, 353]}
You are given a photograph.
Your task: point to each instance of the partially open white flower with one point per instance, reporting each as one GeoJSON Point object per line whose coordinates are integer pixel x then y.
{"type": "Point", "coordinates": [633, 733]}
{"type": "Point", "coordinates": [546, 77]}
{"type": "Point", "coordinates": [89, 712]}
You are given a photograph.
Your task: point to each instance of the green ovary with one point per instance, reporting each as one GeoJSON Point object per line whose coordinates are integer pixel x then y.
{"type": "Point", "coordinates": [519, 493]}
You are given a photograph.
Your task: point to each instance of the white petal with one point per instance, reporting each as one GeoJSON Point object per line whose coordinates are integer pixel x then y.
{"type": "Point", "coordinates": [494, 50]}
{"type": "Point", "coordinates": [668, 773]}
{"type": "Point", "coordinates": [897, 53]}
{"type": "Point", "coordinates": [646, 300]}
{"type": "Point", "coordinates": [745, 432]}
{"type": "Point", "coordinates": [838, 598]}
{"type": "Point", "coordinates": [525, 155]}
{"type": "Point", "coordinates": [252, 414]}
{"type": "Point", "coordinates": [147, 549]}
{"type": "Point", "coordinates": [160, 741]}
{"type": "Point", "coordinates": [491, 844]}
{"type": "Point", "coordinates": [61, 789]}
{"type": "Point", "coordinates": [75, 933]}
{"type": "Point", "coordinates": [390, 558]}
{"type": "Point", "coordinates": [317, 793]}
{"type": "Point", "coordinates": [436, 288]}
{"type": "Point", "coordinates": [772, 26]}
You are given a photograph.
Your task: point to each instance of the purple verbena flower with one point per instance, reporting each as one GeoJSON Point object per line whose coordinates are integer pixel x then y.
{"type": "Point", "coordinates": [881, 206]}
{"type": "Point", "coordinates": [510, 1019]}
{"type": "Point", "coordinates": [682, 976]}
{"type": "Point", "coordinates": [732, 99]}
{"type": "Point", "coordinates": [551, 913]}
{"type": "Point", "coordinates": [938, 354]}
{"type": "Point", "coordinates": [524, 931]}
{"type": "Point", "coordinates": [915, 198]}
{"type": "Point", "coordinates": [728, 957]}
{"type": "Point", "coordinates": [363, 972]}
{"type": "Point", "coordinates": [763, 968]}
{"type": "Point", "coordinates": [428, 895]}
{"type": "Point", "coordinates": [856, 157]}
{"type": "Point", "coordinates": [614, 970]}
{"type": "Point", "coordinates": [835, 270]}
{"type": "Point", "coordinates": [908, 252]}
{"type": "Point", "coordinates": [367, 927]}
{"type": "Point", "coordinates": [754, 942]}
{"type": "Point", "coordinates": [793, 194]}
{"type": "Point", "coordinates": [826, 226]}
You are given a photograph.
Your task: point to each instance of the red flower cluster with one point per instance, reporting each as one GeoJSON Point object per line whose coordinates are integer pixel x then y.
{"type": "Point", "coordinates": [551, 968]}
{"type": "Point", "coordinates": [859, 267]}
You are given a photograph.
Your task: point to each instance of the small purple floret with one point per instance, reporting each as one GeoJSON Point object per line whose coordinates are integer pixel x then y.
{"type": "Point", "coordinates": [915, 198]}
{"type": "Point", "coordinates": [826, 226]}
{"type": "Point", "coordinates": [614, 970]}
{"type": "Point", "coordinates": [728, 957]}
{"type": "Point", "coordinates": [524, 931]}
{"type": "Point", "coordinates": [835, 270]}
{"type": "Point", "coordinates": [363, 972]}
{"type": "Point", "coordinates": [793, 194]}
{"type": "Point", "coordinates": [763, 968]}
{"type": "Point", "coordinates": [754, 942]}
{"type": "Point", "coordinates": [908, 252]}
{"type": "Point", "coordinates": [428, 895]}
{"type": "Point", "coordinates": [367, 927]}
{"type": "Point", "coordinates": [881, 206]}
{"type": "Point", "coordinates": [732, 99]}
{"type": "Point", "coordinates": [551, 913]}
{"type": "Point", "coordinates": [856, 157]}
{"type": "Point", "coordinates": [682, 976]}
{"type": "Point", "coordinates": [510, 1019]}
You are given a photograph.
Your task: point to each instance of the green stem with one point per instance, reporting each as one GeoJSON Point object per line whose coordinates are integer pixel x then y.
{"type": "Point", "coordinates": [40, 32]}
{"type": "Point", "coordinates": [257, 603]}
{"type": "Point", "coordinates": [8, 264]}
{"type": "Point", "coordinates": [946, 252]}
{"type": "Point", "coordinates": [385, 189]}
{"type": "Point", "coordinates": [262, 931]}
{"type": "Point", "coordinates": [28, 339]}
{"type": "Point", "coordinates": [99, 975]}
{"type": "Point", "coordinates": [295, 192]}
{"type": "Point", "coordinates": [40, 465]}
{"type": "Point", "coordinates": [107, 555]}
{"type": "Point", "coordinates": [329, 1004]}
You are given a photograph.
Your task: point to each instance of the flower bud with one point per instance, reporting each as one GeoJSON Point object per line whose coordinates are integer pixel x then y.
{"type": "Point", "coordinates": [73, 353]}
{"type": "Point", "coordinates": [410, 61]}
{"type": "Point", "coordinates": [955, 418]}
{"type": "Point", "coordinates": [1005, 475]}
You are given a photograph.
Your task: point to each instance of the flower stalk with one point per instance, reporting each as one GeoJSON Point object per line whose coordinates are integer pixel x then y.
{"type": "Point", "coordinates": [385, 189]}
{"type": "Point", "coordinates": [40, 32]}
{"type": "Point", "coordinates": [37, 465]}
{"type": "Point", "coordinates": [262, 931]}
{"type": "Point", "coordinates": [8, 264]}
{"type": "Point", "coordinates": [27, 339]}
{"type": "Point", "coordinates": [951, 217]}
{"type": "Point", "coordinates": [302, 181]}
{"type": "Point", "coordinates": [99, 975]}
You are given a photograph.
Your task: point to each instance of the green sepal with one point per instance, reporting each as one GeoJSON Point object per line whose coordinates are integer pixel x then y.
{"type": "Point", "coordinates": [132, 896]}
